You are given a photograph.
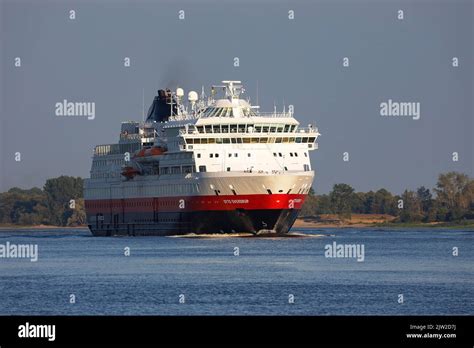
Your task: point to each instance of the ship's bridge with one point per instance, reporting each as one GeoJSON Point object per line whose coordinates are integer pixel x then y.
{"type": "Point", "coordinates": [229, 108]}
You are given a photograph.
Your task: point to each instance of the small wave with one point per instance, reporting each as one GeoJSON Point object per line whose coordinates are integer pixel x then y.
{"type": "Point", "coordinates": [249, 235]}
{"type": "Point", "coordinates": [211, 235]}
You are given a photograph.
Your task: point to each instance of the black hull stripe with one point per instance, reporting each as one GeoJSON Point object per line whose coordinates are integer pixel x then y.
{"type": "Point", "coordinates": [199, 222]}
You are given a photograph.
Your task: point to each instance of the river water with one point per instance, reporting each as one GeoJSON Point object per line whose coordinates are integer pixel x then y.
{"type": "Point", "coordinates": [403, 272]}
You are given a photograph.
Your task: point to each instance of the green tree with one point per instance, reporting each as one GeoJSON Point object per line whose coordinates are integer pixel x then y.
{"type": "Point", "coordinates": [411, 211]}
{"type": "Point", "coordinates": [369, 199]}
{"type": "Point", "coordinates": [59, 192]}
{"type": "Point", "coordinates": [20, 206]}
{"type": "Point", "coordinates": [383, 203]}
{"type": "Point", "coordinates": [455, 195]}
{"type": "Point", "coordinates": [323, 205]}
{"type": "Point", "coordinates": [426, 201]}
{"type": "Point", "coordinates": [358, 203]}
{"type": "Point", "coordinates": [341, 198]}
{"type": "Point", "coordinates": [78, 216]}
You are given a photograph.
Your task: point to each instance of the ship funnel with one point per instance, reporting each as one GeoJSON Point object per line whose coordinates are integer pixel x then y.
{"type": "Point", "coordinates": [164, 105]}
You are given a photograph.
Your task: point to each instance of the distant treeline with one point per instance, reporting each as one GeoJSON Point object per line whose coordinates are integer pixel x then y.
{"type": "Point", "coordinates": [60, 202]}
{"type": "Point", "coordinates": [451, 200]}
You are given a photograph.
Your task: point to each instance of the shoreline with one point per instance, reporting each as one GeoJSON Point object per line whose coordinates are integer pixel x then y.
{"type": "Point", "coordinates": [314, 223]}
{"type": "Point", "coordinates": [39, 227]}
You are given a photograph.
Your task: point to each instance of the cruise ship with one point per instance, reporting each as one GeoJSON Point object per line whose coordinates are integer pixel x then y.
{"type": "Point", "coordinates": [201, 165]}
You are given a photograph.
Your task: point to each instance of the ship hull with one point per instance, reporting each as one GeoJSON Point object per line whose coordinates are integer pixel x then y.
{"type": "Point", "coordinates": [277, 221]}
{"type": "Point", "coordinates": [225, 203]}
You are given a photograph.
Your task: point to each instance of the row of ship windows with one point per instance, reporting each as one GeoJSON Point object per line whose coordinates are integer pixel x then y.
{"type": "Point", "coordinates": [101, 163]}
{"type": "Point", "coordinates": [244, 128]}
{"type": "Point", "coordinates": [153, 190]}
{"type": "Point", "coordinates": [227, 112]}
{"type": "Point", "coordinates": [109, 149]}
{"type": "Point", "coordinates": [216, 155]}
{"type": "Point", "coordinates": [161, 171]}
{"type": "Point", "coordinates": [107, 162]}
{"type": "Point", "coordinates": [292, 154]}
{"type": "Point", "coordinates": [263, 140]}
{"type": "Point", "coordinates": [126, 203]}
{"type": "Point", "coordinates": [105, 175]}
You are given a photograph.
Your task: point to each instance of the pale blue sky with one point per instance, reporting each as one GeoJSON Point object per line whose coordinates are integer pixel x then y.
{"type": "Point", "coordinates": [298, 61]}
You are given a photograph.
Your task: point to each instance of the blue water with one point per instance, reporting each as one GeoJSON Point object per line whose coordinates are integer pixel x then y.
{"type": "Point", "coordinates": [416, 263]}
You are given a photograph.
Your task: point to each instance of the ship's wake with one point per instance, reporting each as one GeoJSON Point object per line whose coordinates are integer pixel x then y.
{"type": "Point", "coordinates": [249, 235]}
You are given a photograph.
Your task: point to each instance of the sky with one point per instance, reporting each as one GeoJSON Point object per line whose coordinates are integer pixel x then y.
{"type": "Point", "coordinates": [293, 61]}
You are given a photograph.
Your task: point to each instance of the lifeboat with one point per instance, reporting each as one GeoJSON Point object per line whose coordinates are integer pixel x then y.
{"type": "Point", "coordinates": [140, 153]}
{"type": "Point", "coordinates": [152, 151]}
{"type": "Point", "coordinates": [129, 172]}
{"type": "Point", "coordinates": [155, 150]}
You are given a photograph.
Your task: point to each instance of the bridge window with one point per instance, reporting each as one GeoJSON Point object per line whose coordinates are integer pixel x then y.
{"type": "Point", "coordinates": [202, 169]}
{"type": "Point", "coordinates": [226, 140]}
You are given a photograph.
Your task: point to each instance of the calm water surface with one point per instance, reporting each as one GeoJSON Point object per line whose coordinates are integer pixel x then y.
{"type": "Point", "coordinates": [417, 263]}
